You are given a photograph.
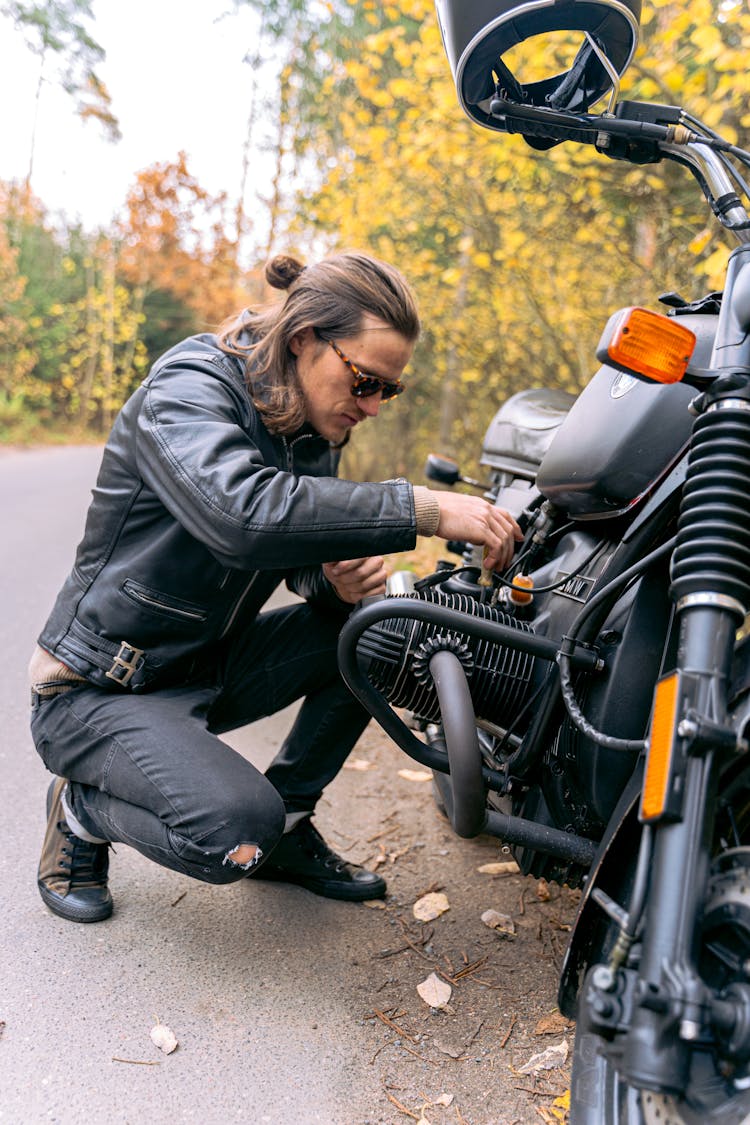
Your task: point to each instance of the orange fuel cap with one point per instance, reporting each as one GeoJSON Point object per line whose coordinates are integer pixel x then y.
{"type": "Point", "coordinates": [522, 590]}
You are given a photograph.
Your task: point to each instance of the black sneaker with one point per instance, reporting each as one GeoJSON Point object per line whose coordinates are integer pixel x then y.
{"type": "Point", "coordinates": [72, 877]}
{"type": "Point", "coordinates": [303, 857]}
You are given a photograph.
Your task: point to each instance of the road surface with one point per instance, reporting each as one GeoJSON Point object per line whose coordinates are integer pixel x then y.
{"type": "Point", "coordinates": [289, 1009]}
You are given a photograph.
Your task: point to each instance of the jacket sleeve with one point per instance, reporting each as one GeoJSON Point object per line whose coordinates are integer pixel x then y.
{"type": "Point", "coordinates": [195, 451]}
{"type": "Point", "coordinates": [310, 583]}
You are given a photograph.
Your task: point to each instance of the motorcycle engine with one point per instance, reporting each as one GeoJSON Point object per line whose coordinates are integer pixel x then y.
{"type": "Point", "coordinates": [395, 654]}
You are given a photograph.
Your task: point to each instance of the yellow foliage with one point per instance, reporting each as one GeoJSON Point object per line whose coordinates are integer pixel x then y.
{"type": "Point", "coordinates": [517, 256]}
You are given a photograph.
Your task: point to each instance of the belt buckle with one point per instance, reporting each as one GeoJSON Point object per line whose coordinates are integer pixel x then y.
{"type": "Point", "coordinates": [124, 664]}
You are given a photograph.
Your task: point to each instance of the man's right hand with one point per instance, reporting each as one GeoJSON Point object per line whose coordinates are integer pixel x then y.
{"type": "Point", "coordinates": [475, 520]}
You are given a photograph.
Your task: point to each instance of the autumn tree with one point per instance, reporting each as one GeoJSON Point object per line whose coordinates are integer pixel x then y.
{"type": "Point", "coordinates": [175, 253]}
{"type": "Point", "coordinates": [56, 32]}
{"type": "Point", "coordinates": [517, 256]}
{"type": "Point", "coordinates": [16, 355]}
{"type": "Point", "coordinates": [68, 325]}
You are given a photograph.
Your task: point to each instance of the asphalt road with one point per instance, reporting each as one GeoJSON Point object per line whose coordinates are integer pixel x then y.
{"type": "Point", "coordinates": [288, 1008]}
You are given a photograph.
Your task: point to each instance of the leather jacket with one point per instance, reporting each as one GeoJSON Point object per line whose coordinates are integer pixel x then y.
{"type": "Point", "coordinates": [198, 513]}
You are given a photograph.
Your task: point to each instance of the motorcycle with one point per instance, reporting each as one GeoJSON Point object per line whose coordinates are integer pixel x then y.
{"type": "Point", "coordinates": [590, 706]}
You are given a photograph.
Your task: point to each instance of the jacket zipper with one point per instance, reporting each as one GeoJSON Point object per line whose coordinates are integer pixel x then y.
{"type": "Point", "coordinates": [193, 615]}
{"type": "Point", "coordinates": [289, 449]}
{"type": "Point", "coordinates": [237, 606]}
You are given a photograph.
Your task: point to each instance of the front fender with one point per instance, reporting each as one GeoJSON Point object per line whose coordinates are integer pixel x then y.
{"type": "Point", "coordinates": [613, 870]}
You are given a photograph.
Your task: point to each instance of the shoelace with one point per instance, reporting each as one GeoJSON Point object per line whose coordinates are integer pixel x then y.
{"type": "Point", "coordinates": [321, 850]}
{"type": "Point", "coordinates": [84, 859]}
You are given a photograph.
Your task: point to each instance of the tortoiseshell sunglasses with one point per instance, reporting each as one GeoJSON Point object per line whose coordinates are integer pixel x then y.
{"type": "Point", "coordinates": [364, 385]}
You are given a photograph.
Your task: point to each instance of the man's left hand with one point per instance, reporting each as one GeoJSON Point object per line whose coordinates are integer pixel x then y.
{"type": "Point", "coordinates": [355, 579]}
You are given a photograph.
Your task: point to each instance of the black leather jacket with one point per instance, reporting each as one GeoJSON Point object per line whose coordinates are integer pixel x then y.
{"type": "Point", "coordinates": [197, 515]}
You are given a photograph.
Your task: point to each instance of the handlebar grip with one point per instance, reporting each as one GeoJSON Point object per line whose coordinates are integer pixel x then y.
{"type": "Point", "coordinates": [533, 121]}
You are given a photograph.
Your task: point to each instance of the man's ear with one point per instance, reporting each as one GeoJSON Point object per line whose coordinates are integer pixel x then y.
{"type": "Point", "coordinates": [300, 340]}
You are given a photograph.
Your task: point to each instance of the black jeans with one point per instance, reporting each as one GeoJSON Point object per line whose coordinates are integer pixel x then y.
{"type": "Point", "coordinates": [149, 770]}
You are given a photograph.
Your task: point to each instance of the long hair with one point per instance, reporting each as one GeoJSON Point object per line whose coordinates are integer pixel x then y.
{"type": "Point", "coordinates": [332, 297]}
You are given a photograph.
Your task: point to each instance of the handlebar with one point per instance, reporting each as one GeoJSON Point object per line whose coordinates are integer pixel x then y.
{"type": "Point", "coordinates": [641, 133]}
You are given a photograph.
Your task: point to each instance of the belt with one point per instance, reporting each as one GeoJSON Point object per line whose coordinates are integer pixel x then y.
{"type": "Point", "coordinates": [40, 692]}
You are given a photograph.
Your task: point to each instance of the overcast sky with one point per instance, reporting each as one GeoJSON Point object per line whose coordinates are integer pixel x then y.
{"type": "Point", "coordinates": [175, 73]}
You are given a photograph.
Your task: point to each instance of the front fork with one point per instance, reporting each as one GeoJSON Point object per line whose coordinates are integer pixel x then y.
{"type": "Point", "coordinates": [671, 1008]}
{"type": "Point", "coordinates": [656, 1014]}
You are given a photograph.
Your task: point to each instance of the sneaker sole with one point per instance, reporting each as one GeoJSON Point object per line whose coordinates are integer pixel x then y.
{"type": "Point", "coordinates": [341, 891]}
{"type": "Point", "coordinates": [72, 913]}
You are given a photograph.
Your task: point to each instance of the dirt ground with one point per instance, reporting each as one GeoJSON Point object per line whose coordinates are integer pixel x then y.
{"type": "Point", "coordinates": [471, 1062]}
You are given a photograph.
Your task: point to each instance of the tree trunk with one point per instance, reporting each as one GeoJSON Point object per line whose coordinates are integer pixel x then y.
{"type": "Point", "coordinates": [449, 393]}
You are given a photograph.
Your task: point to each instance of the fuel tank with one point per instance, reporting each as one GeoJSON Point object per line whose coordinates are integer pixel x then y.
{"type": "Point", "coordinates": [620, 435]}
{"type": "Point", "coordinates": [521, 432]}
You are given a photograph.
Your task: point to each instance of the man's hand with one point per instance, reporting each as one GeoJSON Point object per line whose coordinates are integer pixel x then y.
{"type": "Point", "coordinates": [355, 579]}
{"type": "Point", "coordinates": [476, 521]}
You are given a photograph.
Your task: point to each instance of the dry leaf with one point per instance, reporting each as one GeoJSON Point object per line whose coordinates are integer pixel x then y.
{"type": "Point", "coordinates": [434, 991]}
{"type": "Point", "coordinates": [552, 1024]}
{"type": "Point", "coordinates": [430, 906]}
{"type": "Point", "coordinates": [358, 764]}
{"type": "Point", "coordinates": [502, 923]}
{"type": "Point", "coordinates": [509, 867]}
{"type": "Point", "coordinates": [415, 775]}
{"type": "Point", "coordinates": [543, 892]}
{"type": "Point", "coordinates": [444, 1099]}
{"type": "Point", "coordinates": [375, 904]}
{"type": "Point", "coordinates": [164, 1038]}
{"type": "Point", "coordinates": [546, 1060]}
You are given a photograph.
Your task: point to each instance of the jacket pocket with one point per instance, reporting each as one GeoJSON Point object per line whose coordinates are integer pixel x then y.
{"type": "Point", "coordinates": [166, 604]}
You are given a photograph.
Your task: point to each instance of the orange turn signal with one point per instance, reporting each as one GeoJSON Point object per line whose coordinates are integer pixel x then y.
{"type": "Point", "coordinates": [655, 797]}
{"type": "Point", "coordinates": [648, 343]}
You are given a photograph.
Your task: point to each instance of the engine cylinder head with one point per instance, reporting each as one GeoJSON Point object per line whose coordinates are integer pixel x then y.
{"type": "Point", "coordinates": [396, 654]}
{"type": "Point", "coordinates": [713, 533]}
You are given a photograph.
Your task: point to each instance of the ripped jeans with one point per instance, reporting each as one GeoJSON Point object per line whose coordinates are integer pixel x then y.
{"type": "Point", "coordinates": [148, 769]}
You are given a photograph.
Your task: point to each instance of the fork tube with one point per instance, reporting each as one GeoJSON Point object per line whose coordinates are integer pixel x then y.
{"type": "Point", "coordinates": [669, 991]}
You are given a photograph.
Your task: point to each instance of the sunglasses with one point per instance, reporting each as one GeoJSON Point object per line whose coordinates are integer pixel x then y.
{"type": "Point", "coordinates": [363, 385]}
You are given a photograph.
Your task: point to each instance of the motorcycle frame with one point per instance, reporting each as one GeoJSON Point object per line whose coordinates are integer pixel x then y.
{"type": "Point", "coordinates": [649, 1013]}
{"type": "Point", "coordinates": [668, 993]}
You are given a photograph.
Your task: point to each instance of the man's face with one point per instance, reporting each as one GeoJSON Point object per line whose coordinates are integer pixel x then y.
{"type": "Point", "coordinates": [326, 381]}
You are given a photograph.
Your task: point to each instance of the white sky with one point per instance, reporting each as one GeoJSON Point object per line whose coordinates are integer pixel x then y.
{"type": "Point", "coordinates": [175, 74]}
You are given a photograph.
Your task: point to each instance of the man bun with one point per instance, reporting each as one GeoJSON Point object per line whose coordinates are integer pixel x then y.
{"type": "Point", "coordinates": [282, 271]}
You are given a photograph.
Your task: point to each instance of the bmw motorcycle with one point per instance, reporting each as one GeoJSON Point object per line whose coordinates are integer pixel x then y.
{"type": "Point", "coordinates": [590, 706]}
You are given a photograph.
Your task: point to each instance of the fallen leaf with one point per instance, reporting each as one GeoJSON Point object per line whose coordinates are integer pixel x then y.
{"type": "Point", "coordinates": [509, 867]}
{"type": "Point", "coordinates": [543, 892]}
{"type": "Point", "coordinates": [430, 906]}
{"type": "Point", "coordinates": [502, 923]}
{"type": "Point", "coordinates": [444, 1099]}
{"type": "Point", "coordinates": [553, 1024]}
{"type": "Point", "coordinates": [563, 1102]}
{"type": "Point", "coordinates": [358, 764]}
{"type": "Point", "coordinates": [415, 775]}
{"type": "Point", "coordinates": [375, 904]}
{"type": "Point", "coordinates": [164, 1038]}
{"type": "Point", "coordinates": [434, 991]}
{"type": "Point", "coordinates": [546, 1060]}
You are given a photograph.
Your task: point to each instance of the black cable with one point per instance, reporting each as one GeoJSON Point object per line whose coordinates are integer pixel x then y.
{"type": "Point", "coordinates": [554, 585]}
{"type": "Point", "coordinates": [500, 747]}
{"type": "Point", "coordinates": [577, 717]}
